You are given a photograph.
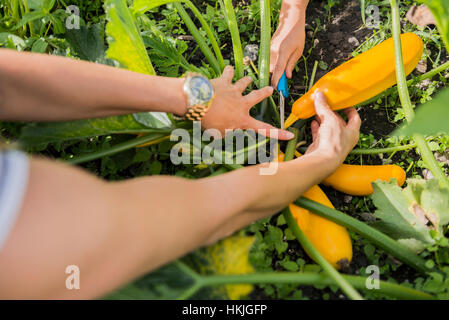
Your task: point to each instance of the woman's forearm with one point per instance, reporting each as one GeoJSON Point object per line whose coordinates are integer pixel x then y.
{"type": "Point", "coordinates": [115, 232]}
{"type": "Point", "coordinates": [46, 88]}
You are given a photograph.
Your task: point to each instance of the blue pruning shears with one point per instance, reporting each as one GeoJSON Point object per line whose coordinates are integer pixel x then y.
{"type": "Point", "coordinates": [283, 93]}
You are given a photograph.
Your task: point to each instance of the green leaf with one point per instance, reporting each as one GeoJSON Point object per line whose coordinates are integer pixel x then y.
{"type": "Point", "coordinates": [46, 132]}
{"type": "Point", "coordinates": [183, 279]}
{"type": "Point", "coordinates": [411, 214]}
{"type": "Point", "coordinates": [167, 283]}
{"type": "Point", "coordinates": [430, 118]}
{"type": "Point", "coordinates": [141, 6]}
{"type": "Point", "coordinates": [226, 257]}
{"type": "Point", "coordinates": [30, 16]}
{"type": "Point", "coordinates": [87, 42]}
{"type": "Point", "coordinates": [39, 46]}
{"type": "Point", "coordinates": [163, 47]}
{"type": "Point", "coordinates": [12, 41]}
{"type": "Point", "coordinates": [126, 47]}
{"type": "Point", "coordinates": [125, 43]}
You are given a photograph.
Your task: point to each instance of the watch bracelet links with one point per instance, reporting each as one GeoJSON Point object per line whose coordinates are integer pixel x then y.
{"type": "Point", "coordinates": [196, 112]}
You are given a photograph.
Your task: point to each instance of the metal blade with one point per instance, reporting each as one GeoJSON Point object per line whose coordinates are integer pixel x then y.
{"type": "Point", "coordinates": [282, 109]}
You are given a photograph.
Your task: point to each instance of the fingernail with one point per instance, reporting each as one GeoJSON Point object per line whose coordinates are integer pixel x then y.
{"type": "Point", "coordinates": [289, 135]}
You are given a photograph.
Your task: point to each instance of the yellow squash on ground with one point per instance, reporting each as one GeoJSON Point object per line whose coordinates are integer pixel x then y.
{"type": "Point", "coordinates": [360, 78]}
{"type": "Point", "coordinates": [329, 238]}
{"type": "Point", "coordinates": [356, 180]}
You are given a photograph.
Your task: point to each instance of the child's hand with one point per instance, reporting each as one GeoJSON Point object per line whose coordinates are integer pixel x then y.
{"type": "Point", "coordinates": [287, 43]}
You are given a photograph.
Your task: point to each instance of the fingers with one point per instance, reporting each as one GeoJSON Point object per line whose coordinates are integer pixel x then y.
{"type": "Point", "coordinates": [228, 74]}
{"type": "Point", "coordinates": [354, 120]}
{"type": "Point", "coordinates": [257, 96]}
{"type": "Point", "coordinates": [322, 109]}
{"type": "Point", "coordinates": [291, 63]}
{"type": "Point", "coordinates": [279, 68]}
{"type": "Point", "coordinates": [268, 130]}
{"type": "Point", "coordinates": [243, 83]}
{"type": "Point", "coordinates": [314, 126]}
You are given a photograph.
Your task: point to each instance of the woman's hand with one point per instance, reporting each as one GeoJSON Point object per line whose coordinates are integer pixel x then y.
{"type": "Point", "coordinates": [230, 109]}
{"type": "Point", "coordinates": [333, 138]}
{"type": "Point", "coordinates": [287, 43]}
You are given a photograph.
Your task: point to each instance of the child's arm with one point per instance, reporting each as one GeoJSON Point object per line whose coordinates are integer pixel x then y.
{"type": "Point", "coordinates": [287, 43]}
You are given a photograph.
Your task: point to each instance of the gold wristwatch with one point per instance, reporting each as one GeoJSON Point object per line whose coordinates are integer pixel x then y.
{"type": "Point", "coordinates": [200, 94]}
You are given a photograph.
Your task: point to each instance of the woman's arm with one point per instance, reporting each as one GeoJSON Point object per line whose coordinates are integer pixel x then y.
{"type": "Point", "coordinates": [287, 43]}
{"type": "Point", "coordinates": [39, 87]}
{"type": "Point", "coordinates": [116, 232]}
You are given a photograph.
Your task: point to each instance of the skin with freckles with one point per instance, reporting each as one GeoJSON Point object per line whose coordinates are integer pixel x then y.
{"type": "Point", "coordinates": [287, 43]}
{"type": "Point", "coordinates": [117, 231]}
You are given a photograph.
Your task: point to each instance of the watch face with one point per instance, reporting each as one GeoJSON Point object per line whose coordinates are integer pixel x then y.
{"type": "Point", "coordinates": [201, 90]}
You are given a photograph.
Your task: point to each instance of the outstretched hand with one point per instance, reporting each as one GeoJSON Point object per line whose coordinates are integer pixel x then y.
{"type": "Point", "coordinates": [230, 108]}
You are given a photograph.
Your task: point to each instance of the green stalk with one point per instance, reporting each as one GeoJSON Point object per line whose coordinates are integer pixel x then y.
{"type": "Point", "coordinates": [344, 285]}
{"type": "Point", "coordinates": [229, 14]}
{"type": "Point", "coordinates": [305, 242]}
{"type": "Point", "coordinates": [209, 33]}
{"type": "Point", "coordinates": [312, 77]}
{"type": "Point", "coordinates": [30, 24]}
{"type": "Point", "coordinates": [308, 278]}
{"type": "Point", "coordinates": [264, 56]}
{"type": "Point", "coordinates": [117, 148]}
{"type": "Point", "coordinates": [198, 38]}
{"type": "Point", "coordinates": [383, 150]}
{"type": "Point", "coordinates": [378, 238]}
{"type": "Point", "coordinates": [275, 112]}
{"type": "Point", "coordinates": [424, 149]}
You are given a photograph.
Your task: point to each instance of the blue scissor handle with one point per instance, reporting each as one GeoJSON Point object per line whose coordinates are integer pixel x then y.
{"type": "Point", "coordinates": [283, 86]}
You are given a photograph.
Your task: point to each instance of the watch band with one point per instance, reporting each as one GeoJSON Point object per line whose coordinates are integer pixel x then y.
{"type": "Point", "coordinates": [195, 110]}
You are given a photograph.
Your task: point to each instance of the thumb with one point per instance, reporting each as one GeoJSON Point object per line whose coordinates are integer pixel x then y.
{"type": "Point", "coordinates": [322, 109]}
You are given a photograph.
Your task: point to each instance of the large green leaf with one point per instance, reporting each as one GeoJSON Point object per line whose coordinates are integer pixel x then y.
{"type": "Point", "coordinates": [47, 132]}
{"type": "Point", "coordinates": [125, 43]}
{"type": "Point", "coordinates": [430, 118]}
{"type": "Point", "coordinates": [164, 47]}
{"type": "Point", "coordinates": [142, 6]}
{"type": "Point", "coordinates": [409, 215]}
{"type": "Point", "coordinates": [87, 42]}
{"type": "Point", "coordinates": [183, 279]}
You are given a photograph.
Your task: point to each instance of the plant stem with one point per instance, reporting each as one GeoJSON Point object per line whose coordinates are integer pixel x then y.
{"type": "Point", "coordinates": [117, 148]}
{"type": "Point", "coordinates": [229, 13]}
{"type": "Point", "coordinates": [208, 31]}
{"type": "Point", "coordinates": [381, 240]}
{"type": "Point", "coordinates": [305, 242]}
{"type": "Point", "coordinates": [337, 278]}
{"type": "Point", "coordinates": [264, 56]}
{"type": "Point", "coordinates": [198, 38]}
{"type": "Point", "coordinates": [309, 278]}
{"type": "Point", "coordinates": [312, 77]}
{"type": "Point", "coordinates": [423, 147]}
{"type": "Point", "coordinates": [277, 117]}
{"type": "Point", "coordinates": [384, 150]}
